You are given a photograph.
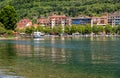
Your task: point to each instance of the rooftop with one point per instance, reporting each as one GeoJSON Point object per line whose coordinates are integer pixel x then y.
{"type": "Point", "coordinates": [114, 14]}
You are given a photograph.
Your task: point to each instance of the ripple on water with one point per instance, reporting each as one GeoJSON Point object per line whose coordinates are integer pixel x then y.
{"type": "Point", "coordinates": [3, 75]}
{"type": "Point", "coordinates": [7, 76]}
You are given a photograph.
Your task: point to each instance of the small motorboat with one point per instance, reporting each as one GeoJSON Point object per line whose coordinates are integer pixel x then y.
{"type": "Point", "coordinates": [38, 35]}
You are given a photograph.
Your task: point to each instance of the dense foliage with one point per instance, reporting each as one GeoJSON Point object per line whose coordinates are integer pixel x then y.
{"type": "Point", "coordinates": [75, 29]}
{"type": "Point", "coordinates": [8, 17]}
{"type": "Point", "coordinates": [37, 8]}
{"type": "Point", "coordinates": [2, 29]}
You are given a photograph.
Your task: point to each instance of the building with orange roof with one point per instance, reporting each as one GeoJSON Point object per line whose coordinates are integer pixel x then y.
{"type": "Point", "coordinates": [56, 20]}
{"type": "Point", "coordinates": [23, 23]}
{"type": "Point", "coordinates": [43, 21]}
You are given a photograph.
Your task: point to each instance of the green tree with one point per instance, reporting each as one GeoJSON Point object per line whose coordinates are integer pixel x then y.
{"type": "Point", "coordinates": [114, 30]}
{"type": "Point", "coordinates": [40, 28]}
{"type": "Point", "coordinates": [95, 29]}
{"type": "Point", "coordinates": [32, 28]}
{"type": "Point", "coordinates": [8, 17]}
{"type": "Point", "coordinates": [57, 30]}
{"type": "Point", "coordinates": [118, 29]}
{"type": "Point", "coordinates": [35, 8]}
{"type": "Point", "coordinates": [2, 29]}
{"type": "Point", "coordinates": [54, 30]}
{"type": "Point", "coordinates": [81, 29]}
{"type": "Point", "coordinates": [101, 28]}
{"type": "Point", "coordinates": [67, 30]}
{"type": "Point", "coordinates": [108, 29]}
{"type": "Point", "coordinates": [9, 32]}
{"type": "Point", "coordinates": [47, 30]}
{"type": "Point", "coordinates": [60, 30]}
{"type": "Point", "coordinates": [73, 29]}
{"type": "Point", "coordinates": [20, 30]}
{"type": "Point", "coordinates": [1, 25]}
{"type": "Point", "coordinates": [88, 29]}
{"type": "Point", "coordinates": [29, 30]}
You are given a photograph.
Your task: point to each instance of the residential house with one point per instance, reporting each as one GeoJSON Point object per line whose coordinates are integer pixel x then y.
{"type": "Point", "coordinates": [43, 21]}
{"type": "Point", "coordinates": [114, 18]}
{"type": "Point", "coordinates": [23, 23]}
{"type": "Point", "coordinates": [100, 21]}
{"type": "Point", "coordinates": [56, 20]}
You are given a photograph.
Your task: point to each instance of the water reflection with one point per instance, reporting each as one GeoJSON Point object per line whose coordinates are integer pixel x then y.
{"type": "Point", "coordinates": [72, 51]}
{"type": "Point", "coordinates": [89, 56]}
{"type": "Point", "coordinates": [45, 51]}
{"type": "Point", "coordinates": [11, 76]}
{"type": "Point", "coordinates": [7, 54]}
{"type": "Point", "coordinates": [58, 55]}
{"type": "Point", "coordinates": [104, 38]}
{"type": "Point", "coordinates": [105, 52]}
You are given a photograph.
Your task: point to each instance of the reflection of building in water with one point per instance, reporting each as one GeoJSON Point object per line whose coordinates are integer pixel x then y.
{"type": "Point", "coordinates": [80, 57]}
{"type": "Point", "coordinates": [29, 50]}
{"type": "Point", "coordinates": [39, 51]}
{"type": "Point", "coordinates": [103, 52]}
{"type": "Point", "coordinates": [103, 38]}
{"type": "Point", "coordinates": [7, 54]}
{"type": "Point", "coordinates": [24, 50]}
{"type": "Point", "coordinates": [100, 38]}
{"type": "Point", "coordinates": [79, 52]}
{"type": "Point", "coordinates": [58, 54]}
{"type": "Point", "coordinates": [51, 53]}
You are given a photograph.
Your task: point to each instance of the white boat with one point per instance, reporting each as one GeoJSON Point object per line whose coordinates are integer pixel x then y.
{"type": "Point", "coordinates": [38, 35]}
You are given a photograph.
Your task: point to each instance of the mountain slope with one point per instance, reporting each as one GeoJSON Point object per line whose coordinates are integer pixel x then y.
{"type": "Point", "coordinates": [36, 8]}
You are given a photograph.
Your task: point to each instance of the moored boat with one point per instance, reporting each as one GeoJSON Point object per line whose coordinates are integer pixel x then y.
{"type": "Point", "coordinates": [38, 35]}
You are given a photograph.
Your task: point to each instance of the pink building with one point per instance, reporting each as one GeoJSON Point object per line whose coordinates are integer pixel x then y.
{"type": "Point", "coordinates": [43, 21]}
{"type": "Point", "coordinates": [56, 20]}
{"type": "Point", "coordinates": [23, 23]}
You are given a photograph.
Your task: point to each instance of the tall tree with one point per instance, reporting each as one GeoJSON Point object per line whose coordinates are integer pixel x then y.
{"type": "Point", "coordinates": [118, 29]}
{"type": "Point", "coordinates": [80, 29]}
{"type": "Point", "coordinates": [47, 30]}
{"type": "Point", "coordinates": [95, 29]}
{"type": "Point", "coordinates": [2, 29]}
{"type": "Point", "coordinates": [40, 28]}
{"type": "Point", "coordinates": [108, 29]}
{"type": "Point", "coordinates": [88, 29]}
{"type": "Point", "coordinates": [68, 30]}
{"type": "Point", "coordinates": [34, 8]}
{"type": "Point", "coordinates": [8, 17]}
{"type": "Point", "coordinates": [73, 29]}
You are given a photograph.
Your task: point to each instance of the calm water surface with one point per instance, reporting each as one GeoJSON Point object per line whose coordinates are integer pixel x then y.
{"type": "Point", "coordinates": [60, 58]}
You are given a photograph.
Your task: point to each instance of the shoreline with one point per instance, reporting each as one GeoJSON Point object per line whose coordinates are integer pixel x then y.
{"type": "Point", "coordinates": [8, 38]}
{"type": "Point", "coordinates": [46, 36]}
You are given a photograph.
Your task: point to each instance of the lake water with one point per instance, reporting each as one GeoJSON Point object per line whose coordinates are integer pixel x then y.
{"type": "Point", "coordinates": [75, 57]}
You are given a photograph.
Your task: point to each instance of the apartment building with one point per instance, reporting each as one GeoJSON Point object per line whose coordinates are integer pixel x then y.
{"type": "Point", "coordinates": [114, 18]}
{"type": "Point", "coordinates": [43, 21]}
{"type": "Point", "coordinates": [56, 20]}
{"type": "Point", "coordinates": [100, 21]}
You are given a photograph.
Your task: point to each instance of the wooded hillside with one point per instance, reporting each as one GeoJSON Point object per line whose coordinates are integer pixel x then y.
{"type": "Point", "coordinates": [36, 8]}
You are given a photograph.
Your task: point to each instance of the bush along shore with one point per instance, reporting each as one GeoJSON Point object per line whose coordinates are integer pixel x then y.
{"type": "Point", "coordinates": [81, 30]}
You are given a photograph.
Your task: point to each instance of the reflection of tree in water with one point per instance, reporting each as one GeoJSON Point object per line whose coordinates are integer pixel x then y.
{"type": "Point", "coordinates": [7, 53]}
{"type": "Point", "coordinates": [80, 52]}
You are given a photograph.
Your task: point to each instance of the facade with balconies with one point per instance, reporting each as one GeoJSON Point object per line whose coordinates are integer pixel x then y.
{"type": "Point", "coordinates": [114, 18]}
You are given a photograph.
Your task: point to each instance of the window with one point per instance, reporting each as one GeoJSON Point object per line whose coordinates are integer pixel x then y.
{"type": "Point", "coordinates": [102, 22]}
